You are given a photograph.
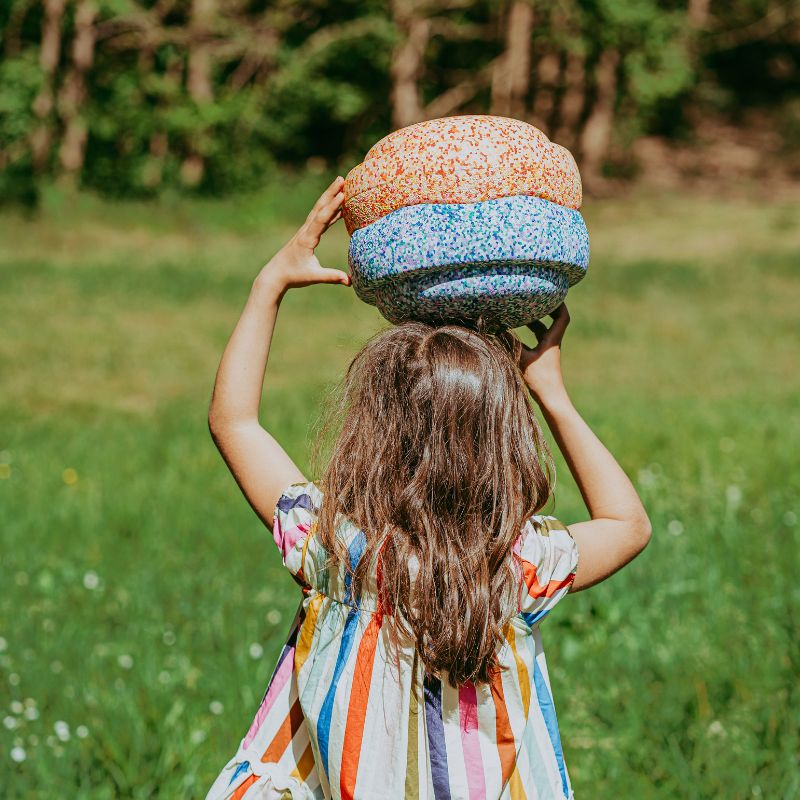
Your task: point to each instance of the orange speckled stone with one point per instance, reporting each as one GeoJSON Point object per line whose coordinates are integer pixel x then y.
{"type": "Point", "coordinates": [462, 159]}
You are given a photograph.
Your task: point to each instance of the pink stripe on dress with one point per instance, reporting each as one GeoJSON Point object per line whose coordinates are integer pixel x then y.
{"type": "Point", "coordinates": [287, 540]}
{"type": "Point", "coordinates": [276, 687]}
{"type": "Point", "coordinates": [470, 741]}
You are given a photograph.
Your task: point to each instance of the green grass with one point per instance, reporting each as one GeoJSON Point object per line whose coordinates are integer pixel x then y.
{"type": "Point", "coordinates": [136, 580]}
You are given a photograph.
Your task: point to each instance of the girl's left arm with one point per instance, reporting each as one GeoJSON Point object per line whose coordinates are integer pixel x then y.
{"type": "Point", "coordinates": [260, 466]}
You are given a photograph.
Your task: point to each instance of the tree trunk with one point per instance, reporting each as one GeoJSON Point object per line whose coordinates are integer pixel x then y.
{"type": "Point", "coordinates": [73, 93]}
{"type": "Point", "coordinates": [408, 62]}
{"type": "Point", "coordinates": [511, 75]}
{"type": "Point", "coordinates": [698, 13]}
{"type": "Point", "coordinates": [199, 79]}
{"type": "Point", "coordinates": [596, 135]}
{"type": "Point", "coordinates": [547, 74]}
{"type": "Point", "coordinates": [49, 56]}
{"type": "Point", "coordinates": [572, 100]}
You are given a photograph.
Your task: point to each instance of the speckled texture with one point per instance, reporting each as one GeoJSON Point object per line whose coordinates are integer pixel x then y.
{"type": "Point", "coordinates": [460, 159]}
{"type": "Point", "coordinates": [509, 260]}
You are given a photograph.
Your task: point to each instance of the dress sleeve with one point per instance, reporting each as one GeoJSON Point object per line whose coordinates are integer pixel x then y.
{"type": "Point", "coordinates": [549, 558]}
{"type": "Point", "coordinates": [293, 528]}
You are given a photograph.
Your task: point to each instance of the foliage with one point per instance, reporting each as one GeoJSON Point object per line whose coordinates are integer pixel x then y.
{"type": "Point", "coordinates": [173, 96]}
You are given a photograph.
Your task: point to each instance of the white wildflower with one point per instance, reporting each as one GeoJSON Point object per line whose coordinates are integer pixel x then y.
{"type": "Point", "coordinates": [91, 580]}
{"type": "Point", "coordinates": [62, 730]}
{"type": "Point", "coordinates": [734, 494]}
{"type": "Point", "coordinates": [18, 754]}
{"type": "Point", "coordinates": [274, 616]}
{"type": "Point", "coordinates": [256, 650]}
{"type": "Point", "coordinates": [675, 527]}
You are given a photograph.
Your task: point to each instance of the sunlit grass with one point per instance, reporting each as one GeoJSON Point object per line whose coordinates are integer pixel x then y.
{"type": "Point", "coordinates": [143, 604]}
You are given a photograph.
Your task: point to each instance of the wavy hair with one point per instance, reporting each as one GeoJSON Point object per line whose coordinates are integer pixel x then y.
{"type": "Point", "coordinates": [439, 459]}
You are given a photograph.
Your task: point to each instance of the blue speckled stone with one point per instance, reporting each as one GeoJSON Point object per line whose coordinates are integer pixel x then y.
{"type": "Point", "coordinates": [509, 260]}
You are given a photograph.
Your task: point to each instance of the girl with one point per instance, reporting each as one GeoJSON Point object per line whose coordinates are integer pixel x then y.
{"type": "Point", "coordinates": [414, 667]}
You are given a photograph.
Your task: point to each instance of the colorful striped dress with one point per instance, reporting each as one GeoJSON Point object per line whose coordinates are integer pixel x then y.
{"type": "Point", "coordinates": [346, 715]}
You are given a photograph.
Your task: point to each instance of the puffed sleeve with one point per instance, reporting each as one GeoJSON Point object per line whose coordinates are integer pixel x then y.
{"type": "Point", "coordinates": [293, 529]}
{"type": "Point", "coordinates": [549, 557]}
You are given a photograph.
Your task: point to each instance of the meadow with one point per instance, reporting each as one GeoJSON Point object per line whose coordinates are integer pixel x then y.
{"type": "Point", "coordinates": [143, 604]}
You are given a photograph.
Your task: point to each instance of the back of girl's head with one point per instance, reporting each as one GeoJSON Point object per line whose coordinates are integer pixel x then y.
{"type": "Point", "coordinates": [439, 447]}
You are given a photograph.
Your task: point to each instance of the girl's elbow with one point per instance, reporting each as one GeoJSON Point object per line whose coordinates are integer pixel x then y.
{"type": "Point", "coordinates": [641, 530]}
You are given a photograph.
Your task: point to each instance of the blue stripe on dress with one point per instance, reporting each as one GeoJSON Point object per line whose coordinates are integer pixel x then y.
{"type": "Point", "coordinates": [355, 551]}
{"type": "Point", "coordinates": [243, 767]}
{"type": "Point", "coordinates": [532, 619]}
{"type": "Point", "coordinates": [549, 714]}
{"type": "Point", "coordinates": [440, 775]}
{"type": "Point", "coordinates": [286, 502]}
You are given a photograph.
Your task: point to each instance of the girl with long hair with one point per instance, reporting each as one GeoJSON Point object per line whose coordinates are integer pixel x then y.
{"type": "Point", "coordinates": [414, 667]}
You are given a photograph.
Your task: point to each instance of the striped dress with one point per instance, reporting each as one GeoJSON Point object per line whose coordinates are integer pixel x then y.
{"type": "Point", "coordinates": [346, 715]}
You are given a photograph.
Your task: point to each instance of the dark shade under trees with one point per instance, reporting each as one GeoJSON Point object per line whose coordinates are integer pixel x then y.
{"type": "Point", "coordinates": [130, 97]}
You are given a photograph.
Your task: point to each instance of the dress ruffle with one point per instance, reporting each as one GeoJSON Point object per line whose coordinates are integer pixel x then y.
{"type": "Point", "coordinates": [245, 778]}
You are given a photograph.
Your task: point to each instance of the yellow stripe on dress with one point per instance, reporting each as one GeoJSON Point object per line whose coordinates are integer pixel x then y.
{"type": "Point", "coordinates": [516, 790]}
{"type": "Point", "coordinates": [306, 636]}
{"type": "Point", "coordinates": [412, 751]}
{"type": "Point", "coordinates": [304, 765]}
{"type": "Point", "coordinates": [522, 670]}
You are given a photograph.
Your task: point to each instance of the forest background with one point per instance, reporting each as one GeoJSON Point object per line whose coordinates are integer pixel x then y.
{"type": "Point", "coordinates": [134, 97]}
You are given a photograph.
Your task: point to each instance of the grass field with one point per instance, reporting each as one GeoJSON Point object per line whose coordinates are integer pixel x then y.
{"type": "Point", "coordinates": [143, 604]}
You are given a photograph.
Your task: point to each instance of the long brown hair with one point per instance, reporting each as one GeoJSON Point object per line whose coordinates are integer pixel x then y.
{"type": "Point", "coordinates": [439, 460]}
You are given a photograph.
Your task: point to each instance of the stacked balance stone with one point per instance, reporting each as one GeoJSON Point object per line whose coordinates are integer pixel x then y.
{"type": "Point", "coordinates": [466, 218]}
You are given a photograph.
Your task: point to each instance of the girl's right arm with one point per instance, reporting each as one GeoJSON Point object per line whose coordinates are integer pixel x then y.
{"type": "Point", "coordinates": [619, 528]}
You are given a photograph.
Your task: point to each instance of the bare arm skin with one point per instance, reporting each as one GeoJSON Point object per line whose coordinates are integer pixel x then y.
{"type": "Point", "coordinates": [619, 528]}
{"type": "Point", "coordinates": [260, 466]}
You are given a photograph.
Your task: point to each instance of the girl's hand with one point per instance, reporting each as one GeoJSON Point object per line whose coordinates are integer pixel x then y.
{"type": "Point", "coordinates": [541, 365]}
{"type": "Point", "coordinates": [295, 264]}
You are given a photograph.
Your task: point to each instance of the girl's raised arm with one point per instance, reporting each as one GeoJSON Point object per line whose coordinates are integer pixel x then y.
{"type": "Point", "coordinates": [619, 528]}
{"type": "Point", "coordinates": [260, 466]}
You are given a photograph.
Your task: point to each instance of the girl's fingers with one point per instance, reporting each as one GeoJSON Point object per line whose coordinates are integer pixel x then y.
{"type": "Point", "coordinates": [325, 198]}
{"type": "Point", "coordinates": [335, 218]}
{"type": "Point", "coordinates": [334, 276]}
{"type": "Point", "coordinates": [538, 328]}
{"type": "Point", "coordinates": [560, 321]}
{"type": "Point", "coordinates": [555, 332]}
{"type": "Point", "coordinates": [324, 216]}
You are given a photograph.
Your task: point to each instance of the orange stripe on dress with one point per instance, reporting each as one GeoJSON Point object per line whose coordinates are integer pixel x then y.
{"type": "Point", "coordinates": [242, 788]}
{"type": "Point", "coordinates": [506, 744]}
{"type": "Point", "coordinates": [359, 692]}
{"type": "Point", "coordinates": [304, 765]}
{"type": "Point", "coordinates": [535, 589]}
{"type": "Point", "coordinates": [284, 735]}
{"type": "Point", "coordinates": [357, 709]}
